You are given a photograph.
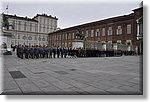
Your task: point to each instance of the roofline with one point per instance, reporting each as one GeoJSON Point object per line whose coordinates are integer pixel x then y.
{"type": "Point", "coordinates": [45, 15]}
{"type": "Point", "coordinates": [15, 16]}
{"type": "Point", "coordinates": [113, 19]}
{"type": "Point", "coordinates": [140, 8]}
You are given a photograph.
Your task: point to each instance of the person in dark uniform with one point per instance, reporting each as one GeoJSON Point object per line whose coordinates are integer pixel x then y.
{"type": "Point", "coordinates": [31, 52]}
{"type": "Point", "coordinates": [14, 47]}
{"type": "Point", "coordinates": [54, 52]}
{"type": "Point", "coordinates": [26, 52]}
{"type": "Point", "coordinates": [17, 51]}
{"type": "Point", "coordinates": [58, 52]}
{"type": "Point", "coordinates": [65, 52]}
{"type": "Point", "coordinates": [41, 52]}
{"type": "Point", "coordinates": [46, 50]}
{"type": "Point", "coordinates": [37, 52]}
{"type": "Point", "coordinates": [34, 51]}
{"type": "Point", "coordinates": [62, 52]}
{"type": "Point", "coordinates": [50, 52]}
{"type": "Point", "coordinates": [21, 52]}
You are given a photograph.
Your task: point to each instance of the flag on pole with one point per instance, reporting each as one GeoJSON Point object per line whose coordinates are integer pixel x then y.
{"type": "Point", "coordinates": [7, 7]}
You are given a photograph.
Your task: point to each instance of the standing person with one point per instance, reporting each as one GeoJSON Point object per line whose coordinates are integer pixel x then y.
{"type": "Point", "coordinates": [40, 51]}
{"type": "Point", "coordinates": [37, 52]}
{"type": "Point", "coordinates": [50, 52]}
{"type": "Point", "coordinates": [21, 52]}
{"type": "Point", "coordinates": [54, 52]}
{"type": "Point", "coordinates": [31, 52]}
{"type": "Point", "coordinates": [17, 51]}
{"type": "Point", "coordinates": [5, 46]}
{"type": "Point", "coordinates": [46, 51]}
{"type": "Point", "coordinates": [65, 52]}
{"type": "Point", "coordinates": [26, 52]}
{"type": "Point", "coordinates": [14, 47]}
{"type": "Point", "coordinates": [43, 52]}
{"type": "Point", "coordinates": [34, 51]}
{"type": "Point", "coordinates": [62, 52]}
{"type": "Point", "coordinates": [58, 52]}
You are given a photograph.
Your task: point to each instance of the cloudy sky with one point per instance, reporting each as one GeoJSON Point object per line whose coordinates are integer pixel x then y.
{"type": "Point", "coordinates": [72, 12]}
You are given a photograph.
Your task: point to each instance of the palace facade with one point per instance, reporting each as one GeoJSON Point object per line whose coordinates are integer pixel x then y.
{"type": "Point", "coordinates": [125, 31]}
{"type": "Point", "coordinates": [28, 31]}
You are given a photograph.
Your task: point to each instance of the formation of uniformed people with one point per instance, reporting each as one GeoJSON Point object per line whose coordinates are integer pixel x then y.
{"type": "Point", "coordinates": [35, 52]}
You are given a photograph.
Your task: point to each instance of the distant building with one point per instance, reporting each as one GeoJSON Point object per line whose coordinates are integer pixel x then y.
{"type": "Point", "coordinates": [122, 32]}
{"type": "Point", "coordinates": [27, 31]}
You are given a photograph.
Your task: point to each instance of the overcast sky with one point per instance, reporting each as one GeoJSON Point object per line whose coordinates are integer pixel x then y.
{"type": "Point", "coordinates": [71, 13]}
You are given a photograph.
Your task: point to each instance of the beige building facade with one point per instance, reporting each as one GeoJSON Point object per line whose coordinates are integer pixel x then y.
{"type": "Point", "coordinates": [29, 31]}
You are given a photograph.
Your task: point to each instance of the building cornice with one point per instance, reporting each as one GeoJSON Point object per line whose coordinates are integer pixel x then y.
{"type": "Point", "coordinates": [18, 17]}
{"type": "Point", "coordinates": [45, 15]}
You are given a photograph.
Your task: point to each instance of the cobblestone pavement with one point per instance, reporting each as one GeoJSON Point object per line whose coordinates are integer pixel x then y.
{"type": "Point", "coordinates": [103, 75]}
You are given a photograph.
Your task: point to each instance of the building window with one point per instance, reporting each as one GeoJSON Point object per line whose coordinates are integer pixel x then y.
{"type": "Point", "coordinates": [129, 29]}
{"type": "Point", "coordinates": [13, 37]}
{"type": "Point", "coordinates": [36, 26]}
{"type": "Point", "coordinates": [72, 35]}
{"type": "Point", "coordinates": [92, 33]}
{"type": "Point", "coordinates": [119, 42]}
{"type": "Point", "coordinates": [60, 37]}
{"type": "Point", "coordinates": [119, 30]}
{"type": "Point", "coordinates": [30, 38]}
{"type": "Point", "coordinates": [18, 36]}
{"type": "Point", "coordinates": [47, 38]}
{"type": "Point", "coordinates": [24, 37]}
{"type": "Point", "coordinates": [69, 36]}
{"type": "Point", "coordinates": [35, 38]}
{"type": "Point", "coordinates": [13, 24]}
{"type": "Point", "coordinates": [44, 20]}
{"type": "Point", "coordinates": [39, 28]}
{"type": "Point", "coordinates": [47, 29]}
{"type": "Point", "coordinates": [39, 38]}
{"type": "Point", "coordinates": [140, 28]}
{"type": "Point", "coordinates": [66, 36]}
{"type": "Point", "coordinates": [87, 33]}
{"type": "Point", "coordinates": [40, 20]}
{"type": "Point", "coordinates": [110, 42]}
{"type": "Point", "coordinates": [128, 42]}
{"type": "Point", "coordinates": [25, 26]}
{"type": "Point", "coordinates": [43, 29]}
{"type": "Point", "coordinates": [43, 39]}
{"type": "Point", "coordinates": [19, 25]}
{"type": "Point", "coordinates": [109, 31]}
{"type": "Point", "coordinates": [97, 33]}
{"type": "Point", "coordinates": [30, 26]}
{"type": "Point", "coordinates": [103, 31]}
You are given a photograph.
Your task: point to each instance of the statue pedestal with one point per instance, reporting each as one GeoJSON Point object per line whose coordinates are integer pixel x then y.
{"type": "Point", "coordinates": [77, 44]}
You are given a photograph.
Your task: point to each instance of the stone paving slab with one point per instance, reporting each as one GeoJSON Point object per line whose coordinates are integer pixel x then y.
{"type": "Point", "coordinates": [103, 76]}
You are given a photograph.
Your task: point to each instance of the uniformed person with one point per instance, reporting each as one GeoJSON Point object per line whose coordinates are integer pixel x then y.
{"type": "Point", "coordinates": [54, 52]}
{"type": "Point", "coordinates": [58, 52]}
{"type": "Point", "coordinates": [31, 52]}
{"type": "Point", "coordinates": [65, 52]}
{"type": "Point", "coordinates": [17, 51]}
{"type": "Point", "coordinates": [50, 52]}
{"type": "Point", "coordinates": [21, 52]}
{"type": "Point", "coordinates": [62, 52]}
{"type": "Point", "coordinates": [26, 52]}
{"type": "Point", "coordinates": [46, 50]}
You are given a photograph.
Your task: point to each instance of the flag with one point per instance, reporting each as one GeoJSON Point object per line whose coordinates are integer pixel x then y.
{"type": "Point", "coordinates": [7, 7]}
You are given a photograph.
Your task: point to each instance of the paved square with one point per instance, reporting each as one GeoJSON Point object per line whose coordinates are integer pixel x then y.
{"type": "Point", "coordinates": [103, 75]}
